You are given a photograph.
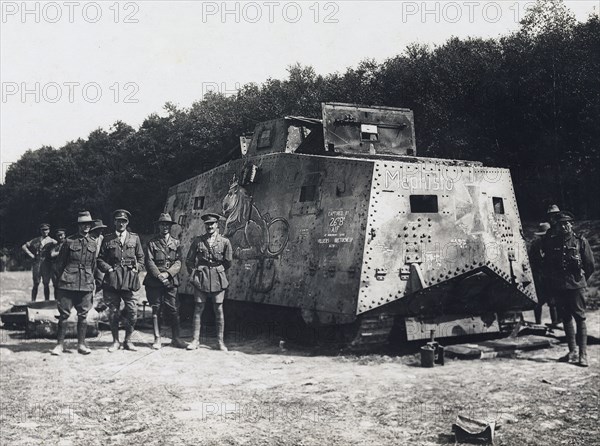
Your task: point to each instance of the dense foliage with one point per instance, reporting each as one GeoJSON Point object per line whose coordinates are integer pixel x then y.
{"type": "Point", "coordinates": [529, 101]}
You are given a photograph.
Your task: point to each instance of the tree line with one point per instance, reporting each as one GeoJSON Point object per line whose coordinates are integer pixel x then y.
{"type": "Point", "coordinates": [528, 101]}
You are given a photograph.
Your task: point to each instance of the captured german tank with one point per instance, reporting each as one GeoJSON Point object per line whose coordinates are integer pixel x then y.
{"type": "Point", "coordinates": [338, 220]}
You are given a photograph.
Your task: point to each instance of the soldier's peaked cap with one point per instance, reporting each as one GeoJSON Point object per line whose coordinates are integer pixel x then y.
{"type": "Point", "coordinates": [84, 217]}
{"type": "Point", "coordinates": [211, 217]}
{"type": "Point", "coordinates": [121, 214]}
{"type": "Point", "coordinates": [63, 230]}
{"type": "Point", "coordinates": [165, 218]}
{"type": "Point", "coordinates": [44, 226]}
{"type": "Point", "coordinates": [565, 216]}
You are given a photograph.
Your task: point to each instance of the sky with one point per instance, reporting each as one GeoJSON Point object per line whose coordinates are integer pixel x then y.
{"type": "Point", "coordinates": [68, 68]}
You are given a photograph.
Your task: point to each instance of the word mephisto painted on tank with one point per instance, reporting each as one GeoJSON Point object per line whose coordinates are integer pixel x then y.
{"type": "Point", "coordinates": [422, 180]}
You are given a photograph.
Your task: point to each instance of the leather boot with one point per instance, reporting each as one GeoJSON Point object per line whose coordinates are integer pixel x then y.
{"type": "Point", "coordinates": [157, 344]}
{"type": "Point", "coordinates": [196, 327]}
{"type": "Point", "coordinates": [47, 292]}
{"type": "Point", "coordinates": [60, 336]}
{"type": "Point", "coordinates": [34, 292]}
{"type": "Point", "coordinates": [220, 332]}
{"type": "Point", "coordinates": [175, 339]}
{"type": "Point", "coordinates": [115, 334]}
{"type": "Point", "coordinates": [81, 332]}
{"type": "Point", "coordinates": [128, 343]}
{"type": "Point", "coordinates": [129, 329]}
{"type": "Point", "coordinates": [570, 357]}
{"type": "Point", "coordinates": [553, 315]}
{"type": "Point", "coordinates": [537, 312]}
{"type": "Point", "coordinates": [583, 362]}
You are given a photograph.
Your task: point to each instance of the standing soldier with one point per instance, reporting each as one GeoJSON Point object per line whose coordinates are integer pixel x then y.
{"type": "Point", "coordinates": [121, 258]}
{"type": "Point", "coordinates": [61, 237]}
{"type": "Point", "coordinates": [207, 260]}
{"type": "Point", "coordinates": [75, 264]}
{"type": "Point", "coordinates": [39, 249]}
{"type": "Point", "coordinates": [536, 258]}
{"type": "Point", "coordinates": [97, 234]}
{"type": "Point", "coordinates": [551, 215]}
{"type": "Point", "coordinates": [163, 262]}
{"type": "Point", "coordinates": [569, 263]}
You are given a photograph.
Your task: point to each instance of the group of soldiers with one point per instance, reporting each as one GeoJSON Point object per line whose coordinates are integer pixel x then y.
{"type": "Point", "coordinates": [562, 261]}
{"type": "Point", "coordinates": [86, 262]}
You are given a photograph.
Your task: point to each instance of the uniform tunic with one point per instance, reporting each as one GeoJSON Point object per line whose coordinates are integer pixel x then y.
{"type": "Point", "coordinates": [123, 258]}
{"type": "Point", "coordinates": [569, 262]}
{"type": "Point", "coordinates": [209, 263]}
{"type": "Point", "coordinates": [163, 257]}
{"type": "Point", "coordinates": [126, 259]}
{"type": "Point", "coordinates": [75, 266]}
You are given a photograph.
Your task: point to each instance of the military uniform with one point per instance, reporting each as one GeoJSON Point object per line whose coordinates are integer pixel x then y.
{"type": "Point", "coordinates": [163, 262]}
{"type": "Point", "coordinates": [208, 264]}
{"type": "Point", "coordinates": [208, 258]}
{"type": "Point", "coordinates": [536, 260]}
{"type": "Point", "coordinates": [75, 265]}
{"type": "Point", "coordinates": [569, 262]}
{"type": "Point", "coordinates": [42, 268]}
{"type": "Point", "coordinates": [120, 259]}
{"type": "Point", "coordinates": [53, 257]}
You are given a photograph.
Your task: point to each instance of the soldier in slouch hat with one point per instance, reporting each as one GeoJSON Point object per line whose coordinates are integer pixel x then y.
{"type": "Point", "coordinates": [163, 262]}
{"type": "Point", "coordinates": [75, 266]}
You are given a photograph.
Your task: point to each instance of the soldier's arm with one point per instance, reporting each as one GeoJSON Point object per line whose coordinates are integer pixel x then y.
{"type": "Point", "coordinates": [25, 248]}
{"type": "Point", "coordinates": [151, 267]}
{"type": "Point", "coordinates": [190, 259]}
{"type": "Point", "coordinates": [54, 251]}
{"type": "Point", "coordinates": [227, 254]}
{"type": "Point", "coordinates": [139, 254]}
{"type": "Point", "coordinates": [95, 259]}
{"type": "Point", "coordinates": [101, 261]}
{"type": "Point", "coordinates": [587, 259]}
{"type": "Point", "coordinates": [176, 266]}
{"type": "Point", "coordinates": [62, 259]}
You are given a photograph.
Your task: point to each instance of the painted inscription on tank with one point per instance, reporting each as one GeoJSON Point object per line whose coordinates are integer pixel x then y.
{"type": "Point", "coordinates": [335, 233]}
{"type": "Point", "coordinates": [417, 180]}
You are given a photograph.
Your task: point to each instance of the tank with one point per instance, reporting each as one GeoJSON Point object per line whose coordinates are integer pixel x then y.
{"type": "Point", "coordinates": [339, 221]}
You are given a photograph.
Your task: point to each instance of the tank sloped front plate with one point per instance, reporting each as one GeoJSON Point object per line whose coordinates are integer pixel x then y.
{"type": "Point", "coordinates": [479, 291]}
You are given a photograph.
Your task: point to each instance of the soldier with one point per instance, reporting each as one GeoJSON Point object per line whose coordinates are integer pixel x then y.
{"type": "Point", "coordinates": [551, 215]}
{"type": "Point", "coordinates": [75, 264]}
{"type": "Point", "coordinates": [569, 263]}
{"type": "Point", "coordinates": [207, 260]}
{"type": "Point", "coordinates": [97, 234]}
{"type": "Point", "coordinates": [38, 249]}
{"type": "Point", "coordinates": [61, 237]}
{"type": "Point", "coordinates": [121, 258]}
{"type": "Point", "coordinates": [536, 258]}
{"type": "Point", "coordinates": [163, 262]}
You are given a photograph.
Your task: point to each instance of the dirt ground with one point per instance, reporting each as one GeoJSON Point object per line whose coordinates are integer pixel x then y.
{"type": "Point", "coordinates": [262, 394]}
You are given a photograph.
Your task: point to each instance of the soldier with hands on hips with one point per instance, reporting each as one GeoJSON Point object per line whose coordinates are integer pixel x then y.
{"type": "Point", "coordinates": [39, 250]}
{"type": "Point", "coordinates": [208, 259]}
{"type": "Point", "coordinates": [121, 258]}
{"type": "Point", "coordinates": [75, 266]}
{"type": "Point", "coordinates": [163, 262]}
